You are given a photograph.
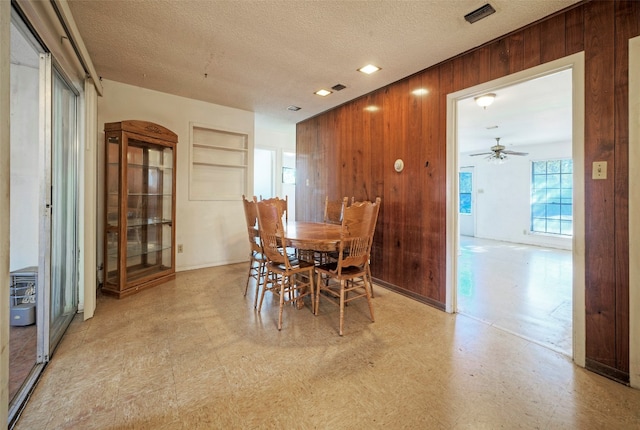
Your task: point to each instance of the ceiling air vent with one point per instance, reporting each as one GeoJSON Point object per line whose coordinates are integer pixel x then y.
{"type": "Point", "coordinates": [479, 13]}
{"type": "Point", "coordinates": [338, 87]}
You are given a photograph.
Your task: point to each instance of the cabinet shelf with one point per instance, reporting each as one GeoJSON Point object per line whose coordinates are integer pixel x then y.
{"type": "Point", "coordinates": [202, 163]}
{"type": "Point", "coordinates": [223, 148]}
{"type": "Point", "coordinates": [139, 206]}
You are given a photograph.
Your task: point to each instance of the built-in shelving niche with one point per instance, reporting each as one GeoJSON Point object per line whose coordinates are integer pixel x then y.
{"type": "Point", "coordinates": [219, 163]}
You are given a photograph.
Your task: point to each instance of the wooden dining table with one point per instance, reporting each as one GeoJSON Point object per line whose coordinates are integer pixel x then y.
{"type": "Point", "coordinates": [312, 236]}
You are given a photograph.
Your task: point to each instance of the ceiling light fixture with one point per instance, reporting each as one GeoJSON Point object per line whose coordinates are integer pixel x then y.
{"type": "Point", "coordinates": [498, 157]}
{"type": "Point", "coordinates": [485, 99]}
{"type": "Point", "coordinates": [369, 69]}
{"type": "Point", "coordinates": [323, 92]}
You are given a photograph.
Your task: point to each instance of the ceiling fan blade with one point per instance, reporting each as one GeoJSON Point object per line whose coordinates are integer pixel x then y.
{"type": "Point", "coordinates": [515, 152]}
{"type": "Point", "coordinates": [481, 153]}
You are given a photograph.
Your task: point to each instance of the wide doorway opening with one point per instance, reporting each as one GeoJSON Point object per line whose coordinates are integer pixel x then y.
{"type": "Point", "coordinates": [514, 208]}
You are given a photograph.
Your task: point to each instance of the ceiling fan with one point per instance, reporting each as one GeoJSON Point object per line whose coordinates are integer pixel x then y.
{"type": "Point", "coordinates": [499, 152]}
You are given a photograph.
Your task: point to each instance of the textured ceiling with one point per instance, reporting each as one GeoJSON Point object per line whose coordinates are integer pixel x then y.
{"type": "Point", "coordinates": [263, 56]}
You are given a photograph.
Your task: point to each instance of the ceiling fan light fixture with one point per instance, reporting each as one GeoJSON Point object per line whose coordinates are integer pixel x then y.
{"type": "Point", "coordinates": [497, 158]}
{"type": "Point", "coordinates": [485, 99]}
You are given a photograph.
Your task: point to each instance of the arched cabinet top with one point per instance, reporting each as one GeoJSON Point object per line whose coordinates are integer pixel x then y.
{"type": "Point", "coordinates": [144, 128]}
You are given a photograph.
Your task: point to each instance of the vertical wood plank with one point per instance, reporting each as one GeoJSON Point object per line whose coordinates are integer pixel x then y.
{"type": "Point", "coordinates": [574, 32]}
{"type": "Point", "coordinates": [516, 52]}
{"type": "Point", "coordinates": [413, 273]}
{"type": "Point", "coordinates": [375, 120]}
{"type": "Point", "coordinates": [599, 146]}
{"type": "Point", "coordinates": [471, 69]}
{"type": "Point", "coordinates": [552, 38]}
{"type": "Point", "coordinates": [531, 46]}
{"type": "Point", "coordinates": [627, 15]}
{"type": "Point", "coordinates": [433, 173]}
{"type": "Point", "coordinates": [499, 59]}
{"type": "Point", "coordinates": [395, 134]}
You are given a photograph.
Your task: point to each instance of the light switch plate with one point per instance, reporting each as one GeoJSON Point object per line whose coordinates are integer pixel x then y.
{"type": "Point", "coordinates": [599, 170]}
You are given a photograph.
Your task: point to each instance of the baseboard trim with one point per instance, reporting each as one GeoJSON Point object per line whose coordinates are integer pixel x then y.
{"type": "Point", "coordinates": [409, 294]}
{"type": "Point", "coordinates": [607, 371]}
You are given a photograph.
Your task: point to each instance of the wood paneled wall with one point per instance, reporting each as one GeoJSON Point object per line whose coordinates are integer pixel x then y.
{"type": "Point", "coordinates": [350, 151]}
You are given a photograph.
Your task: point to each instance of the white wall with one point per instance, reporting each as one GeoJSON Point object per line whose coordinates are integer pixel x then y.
{"type": "Point", "coordinates": [280, 137]}
{"type": "Point", "coordinates": [25, 176]}
{"type": "Point", "coordinates": [211, 232]}
{"type": "Point", "coordinates": [503, 195]}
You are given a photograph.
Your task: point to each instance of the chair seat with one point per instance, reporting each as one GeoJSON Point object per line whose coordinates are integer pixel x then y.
{"type": "Point", "coordinates": [295, 265]}
{"type": "Point", "coordinates": [347, 272]}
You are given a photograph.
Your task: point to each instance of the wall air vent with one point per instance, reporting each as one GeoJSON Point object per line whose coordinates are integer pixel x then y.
{"type": "Point", "coordinates": [338, 87]}
{"type": "Point", "coordinates": [479, 13]}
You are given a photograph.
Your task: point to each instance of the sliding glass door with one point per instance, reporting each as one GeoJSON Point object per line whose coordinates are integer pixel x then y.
{"type": "Point", "coordinates": [58, 266]}
{"type": "Point", "coordinates": [64, 209]}
{"type": "Point", "coordinates": [44, 217]}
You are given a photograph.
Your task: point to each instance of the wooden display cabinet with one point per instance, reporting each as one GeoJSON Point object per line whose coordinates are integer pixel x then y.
{"type": "Point", "coordinates": [140, 190]}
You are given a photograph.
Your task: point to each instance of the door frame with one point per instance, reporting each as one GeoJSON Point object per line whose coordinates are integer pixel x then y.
{"type": "Point", "coordinates": [634, 212]}
{"type": "Point", "coordinates": [574, 62]}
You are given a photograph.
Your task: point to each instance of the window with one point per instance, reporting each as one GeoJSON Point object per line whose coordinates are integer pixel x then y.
{"type": "Point", "coordinates": [466, 187]}
{"type": "Point", "coordinates": [552, 197]}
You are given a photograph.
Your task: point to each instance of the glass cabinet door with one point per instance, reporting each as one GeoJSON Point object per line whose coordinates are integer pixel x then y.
{"type": "Point", "coordinates": [149, 213]}
{"type": "Point", "coordinates": [113, 210]}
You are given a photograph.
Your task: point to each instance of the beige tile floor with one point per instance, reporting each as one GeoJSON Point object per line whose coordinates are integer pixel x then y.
{"type": "Point", "coordinates": [193, 354]}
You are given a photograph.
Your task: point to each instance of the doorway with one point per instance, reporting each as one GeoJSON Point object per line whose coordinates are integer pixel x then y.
{"type": "Point", "coordinates": [455, 279]}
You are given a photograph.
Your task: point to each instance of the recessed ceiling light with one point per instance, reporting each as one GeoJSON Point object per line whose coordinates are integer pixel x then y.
{"type": "Point", "coordinates": [293, 108]}
{"type": "Point", "coordinates": [323, 92]}
{"type": "Point", "coordinates": [369, 69]}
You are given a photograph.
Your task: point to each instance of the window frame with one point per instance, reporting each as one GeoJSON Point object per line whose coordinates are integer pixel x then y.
{"type": "Point", "coordinates": [552, 198]}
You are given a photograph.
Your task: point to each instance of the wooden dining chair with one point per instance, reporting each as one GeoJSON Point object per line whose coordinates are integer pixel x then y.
{"type": "Point", "coordinates": [333, 210]}
{"type": "Point", "coordinates": [373, 227]}
{"type": "Point", "coordinates": [291, 280]}
{"type": "Point", "coordinates": [257, 260]}
{"type": "Point", "coordinates": [346, 279]}
{"type": "Point", "coordinates": [282, 203]}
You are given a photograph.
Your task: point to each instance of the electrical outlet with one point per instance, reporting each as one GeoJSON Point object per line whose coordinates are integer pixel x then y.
{"type": "Point", "coordinates": [180, 249]}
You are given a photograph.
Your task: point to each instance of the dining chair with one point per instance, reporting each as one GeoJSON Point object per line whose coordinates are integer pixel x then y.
{"type": "Point", "coordinates": [333, 210]}
{"type": "Point", "coordinates": [257, 260]}
{"type": "Point", "coordinates": [290, 279]}
{"type": "Point", "coordinates": [282, 203]}
{"type": "Point", "coordinates": [373, 226]}
{"type": "Point", "coordinates": [337, 281]}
